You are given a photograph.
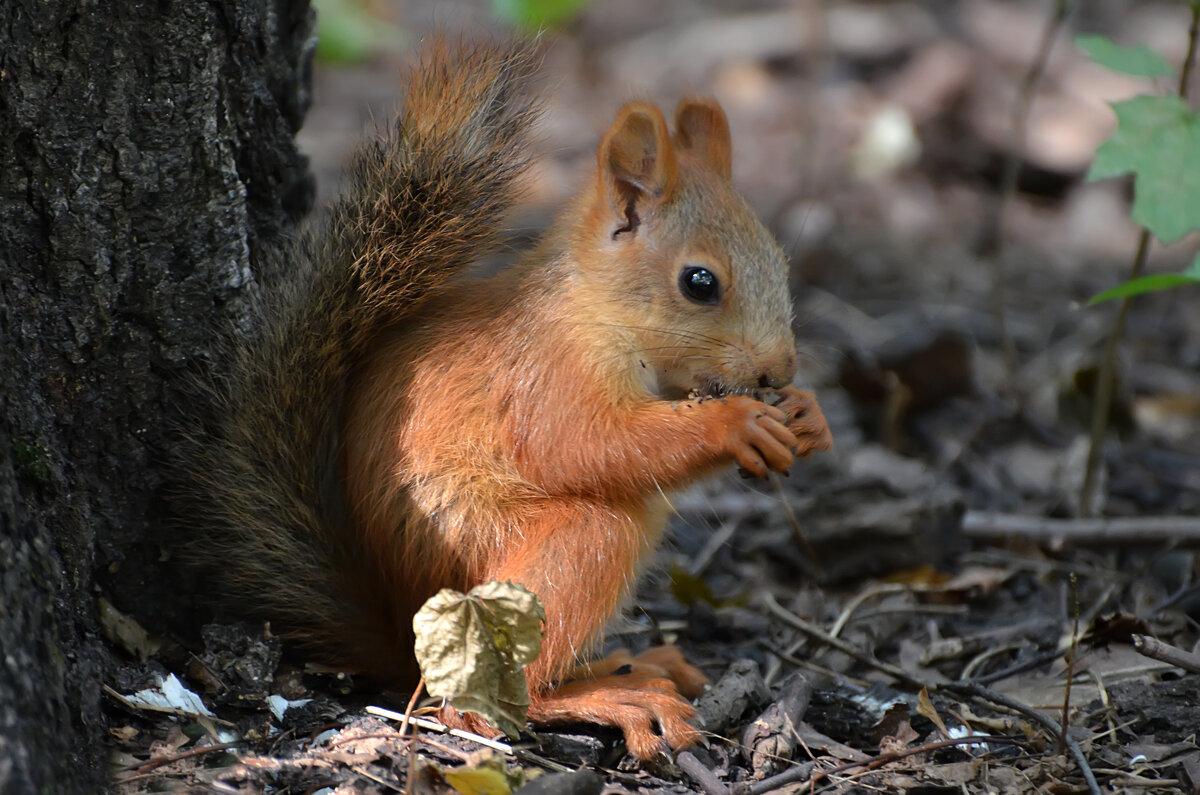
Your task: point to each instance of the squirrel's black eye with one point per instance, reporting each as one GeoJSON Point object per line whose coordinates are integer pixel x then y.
{"type": "Point", "coordinates": [700, 285]}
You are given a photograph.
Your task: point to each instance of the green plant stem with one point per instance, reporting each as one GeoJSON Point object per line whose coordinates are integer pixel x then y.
{"type": "Point", "coordinates": [1104, 380]}
{"type": "Point", "coordinates": [1104, 385]}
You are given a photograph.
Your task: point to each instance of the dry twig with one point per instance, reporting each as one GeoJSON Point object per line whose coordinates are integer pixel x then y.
{"type": "Point", "coordinates": [985, 524]}
{"type": "Point", "coordinates": [433, 725]}
{"type": "Point", "coordinates": [1164, 652]}
{"type": "Point", "coordinates": [813, 631]}
{"type": "Point", "coordinates": [982, 693]}
{"type": "Point", "coordinates": [700, 774]}
{"type": "Point", "coordinates": [801, 772]}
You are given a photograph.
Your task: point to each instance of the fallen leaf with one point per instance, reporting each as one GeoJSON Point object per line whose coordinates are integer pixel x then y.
{"type": "Point", "coordinates": [926, 709]}
{"type": "Point", "coordinates": [125, 632]}
{"type": "Point", "coordinates": [473, 649]}
{"type": "Point", "coordinates": [486, 775]}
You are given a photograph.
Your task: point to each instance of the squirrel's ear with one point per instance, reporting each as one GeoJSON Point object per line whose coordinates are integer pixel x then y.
{"type": "Point", "coordinates": [701, 127]}
{"type": "Point", "coordinates": [637, 162]}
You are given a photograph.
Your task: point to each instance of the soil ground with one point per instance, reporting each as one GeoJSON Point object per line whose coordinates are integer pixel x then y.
{"type": "Point", "coordinates": [927, 580]}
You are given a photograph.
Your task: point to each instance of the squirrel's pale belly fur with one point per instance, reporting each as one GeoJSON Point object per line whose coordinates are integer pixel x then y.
{"type": "Point", "coordinates": [435, 423]}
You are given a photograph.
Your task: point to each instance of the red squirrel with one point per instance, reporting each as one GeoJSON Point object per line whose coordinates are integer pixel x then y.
{"type": "Point", "coordinates": [401, 423]}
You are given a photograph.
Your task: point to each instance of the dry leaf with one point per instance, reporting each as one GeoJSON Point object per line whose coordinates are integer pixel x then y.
{"type": "Point", "coordinates": [971, 584]}
{"type": "Point", "coordinates": [896, 744]}
{"type": "Point", "coordinates": [489, 776]}
{"type": "Point", "coordinates": [125, 632]}
{"type": "Point", "coordinates": [473, 649]}
{"type": "Point", "coordinates": [926, 709]}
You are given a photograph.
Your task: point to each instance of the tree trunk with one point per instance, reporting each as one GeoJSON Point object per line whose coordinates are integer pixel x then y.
{"type": "Point", "coordinates": [146, 157]}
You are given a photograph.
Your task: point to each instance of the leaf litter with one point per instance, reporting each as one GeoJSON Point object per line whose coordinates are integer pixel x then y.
{"type": "Point", "coordinates": [934, 558]}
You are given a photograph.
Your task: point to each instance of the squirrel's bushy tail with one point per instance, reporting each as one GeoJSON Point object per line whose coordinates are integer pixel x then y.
{"type": "Point", "coordinates": [423, 201]}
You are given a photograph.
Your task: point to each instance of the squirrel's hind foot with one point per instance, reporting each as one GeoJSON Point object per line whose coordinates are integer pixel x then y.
{"type": "Point", "coordinates": [664, 662]}
{"type": "Point", "coordinates": [643, 695]}
{"type": "Point", "coordinates": [647, 709]}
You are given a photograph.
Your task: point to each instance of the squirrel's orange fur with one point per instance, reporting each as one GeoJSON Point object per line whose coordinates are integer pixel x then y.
{"type": "Point", "coordinates": [403, 426]}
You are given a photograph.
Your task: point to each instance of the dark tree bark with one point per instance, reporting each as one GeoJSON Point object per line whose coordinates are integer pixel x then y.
{"type": "Point", "coordinates": [146, 158]}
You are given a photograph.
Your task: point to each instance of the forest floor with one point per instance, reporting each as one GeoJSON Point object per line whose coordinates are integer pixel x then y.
{"type": "Point", "coordinates": [920, 610]}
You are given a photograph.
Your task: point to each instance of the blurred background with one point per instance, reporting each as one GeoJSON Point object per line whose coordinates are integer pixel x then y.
{"type": "Point", "coordinates": [873, 138]}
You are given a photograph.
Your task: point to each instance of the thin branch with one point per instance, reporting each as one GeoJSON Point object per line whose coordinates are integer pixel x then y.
{"type": "Point", "coordinates": [433, 725]}
{"type": "Point", "coordinates": [815, 632]}
{"type": "Point", "coordinates": [700, 774]}
{"type": "Point", "coordinates": [1164, 652]}
{"type": "Point", "coordinates": [984, 694]}
{"type": "Point", "coordinates": [972, 689]}
{"type": "Point", "coordinates": [412, 703]}
{"type": "Point", "coordinates": [146, 768]}
{"type": "Point", "coordinates": [801, 772]}
{"type": "Point", "coordinates": [1065, 723]}
{"type": "Point", "coordinates": [1143, 529]}
{"type": "Point", "coordinates": [1104, 381]}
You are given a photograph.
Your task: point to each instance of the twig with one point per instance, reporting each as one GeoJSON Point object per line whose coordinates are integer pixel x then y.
{"type": "Point", "coordinates": [1108, 365]}
{"type": "Point", "coordinates": [495, 745]}
{"type": "Point", "coordinates": [985, 524]}
{"type": "Point", "coordinates": [976, 690]}
{"type": "Point", "coordinates": [808, 555]}
{"type": "Point", "coordinates": [1019, 668]}
{"type": "Point", "coordinates": [800, 772]}
{"type": "Point", "coordinates": [1164, 652]}
{"type": "Point", "coordinates": [771, 738]}
{"type": "Point", "coordinates": [1074, 648]}
{"type": "Point", "coordinates": [984, 694]}
{"type": "Point", "coordinates": [993, 235]}
{"type": "Point", "coordinates": [1102, 403]}
{"type": "Point", "coordinates": [362, 771]}
{"type": "Point", "coordinates": [859, 600]}
{"type": "Point", "coordinates": [968, 671]}
{"type": "Point", "coordinates": [700, 774]}
{"type": "Point", "coordinates": [797, 773]}
{"type": "Point", "coordinates": [813, 631]}
{"type": "Point", "coordinates": [809, 665]}
{"type": "Point", "coordinates": [404, 724]}
{"type": "Point", "coordinates": [145, 768]}
{"type": "Point", "coordinates": [412, 702]}
{"type": "Point", "coordinates": [434, 725]}
{"type": "Point", "coordinates": [711, 547]}
{"type": "Point", "coordinates": [1184, 592]}
{"type": "Point", "coordinates": [1123, 778]}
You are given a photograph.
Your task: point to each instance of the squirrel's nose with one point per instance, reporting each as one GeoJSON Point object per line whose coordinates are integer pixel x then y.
{"type": "Point", "coordinates": [780, 375]}
{"type": "Point", "coordinates": [768, 381]}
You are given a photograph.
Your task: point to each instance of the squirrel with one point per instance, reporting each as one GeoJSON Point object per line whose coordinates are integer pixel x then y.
{"type": "Point", "coordinates": [402, 423]}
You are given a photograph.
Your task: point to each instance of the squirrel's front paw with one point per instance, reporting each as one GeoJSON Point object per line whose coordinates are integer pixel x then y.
{"type": "Point", "coordinates": [757, 436]}
{"type": "Point", "coordinates": [804, 419]}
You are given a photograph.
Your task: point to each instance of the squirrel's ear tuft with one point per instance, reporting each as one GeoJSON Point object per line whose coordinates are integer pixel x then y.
{"type": "Point", "coordinates": [701, 127]}
{"type": "Point", "coordinates": [637, 162]}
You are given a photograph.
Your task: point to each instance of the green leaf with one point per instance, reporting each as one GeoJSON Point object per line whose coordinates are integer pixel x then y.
{"type": "Point", "coordinates": [473, 649]}
{"type": "Point", "coordinates": [348, 32]}
{"type": "Point", "coordinates": [487, 774]}
{"type": "Point", "coordinates": [688, 589]}
{"type": "Point", "coordinates": [1140, 61]}
{"type": "Point", "coordinates": [534, 15]}
{"type": "Point", "coordinates": [1158, 140]}
{"type": "Point", "coordinates": [1150, 284]}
